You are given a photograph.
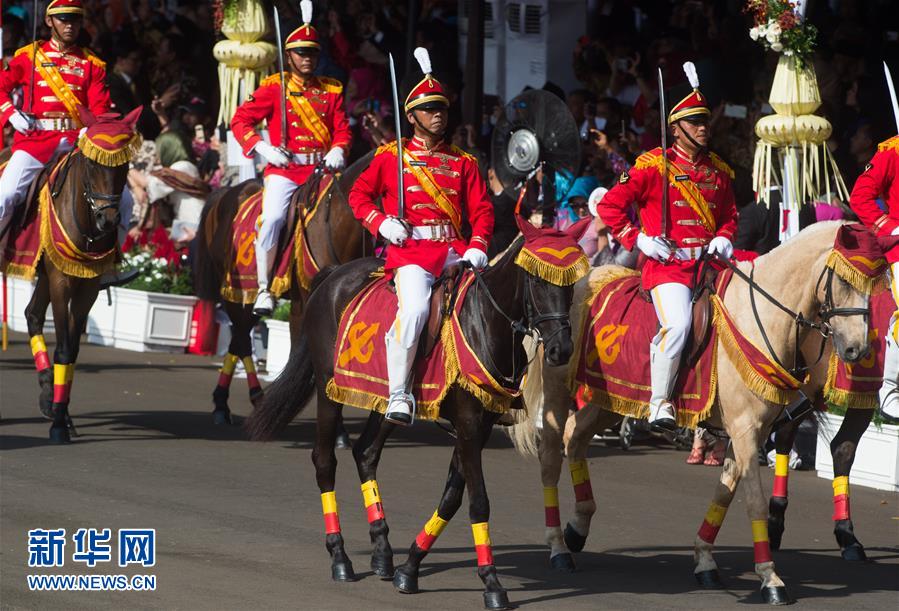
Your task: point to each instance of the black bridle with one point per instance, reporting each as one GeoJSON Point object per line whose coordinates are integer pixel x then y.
{"type": "Point", "coordinates": [91, 197]}
{"type": "Point", "coordinates": [529, 325]}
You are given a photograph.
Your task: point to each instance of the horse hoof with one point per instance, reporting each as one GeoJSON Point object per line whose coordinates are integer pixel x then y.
{"type": "Point", "coordinates": [221, 416]}
{"type": "Point", "coordinates": [574, 540]}
{"type": "Point", "coordinates": [343, 442]}
{"type": "Point", "coordinates": [383, 568]}
{"type": "Point", "coordinates": [710, 580]}
{"type": "Point", "coordinates": [497, 600]}
{"type": "Point", "coordinates": [563, 562]}
{"type": "Point", "coordinates": [776, 595]}
{"type": "Point", "coordinates": [405, 583]}
{"type": "Point", "coordinates": [59, 434]}
{"type": "Point", "coordinates": [854, 553]}
{"type": "Point", "coordinates": [343, 571]}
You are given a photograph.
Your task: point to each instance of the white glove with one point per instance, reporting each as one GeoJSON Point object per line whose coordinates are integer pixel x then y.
{"type": "Point", "coordinates": [20, 122]}
{"type": "Point", "coordinates": [477, 258]}
{"type": "Point", "coordinates": [272, 155]}
{"type": "Point", "coordinates": [334, 159]}
{"type": "Point", "coordinates": [722, 247]}
{"type": "Point", "coordinates": [394, 232]}
{"type": "Point", "coordinates": [895, 231]}
{"type": "Point", "coordinates": [652, 248]}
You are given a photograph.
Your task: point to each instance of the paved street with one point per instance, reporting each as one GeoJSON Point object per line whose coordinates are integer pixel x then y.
{"type": "Point", "coordinates": [239, 525]}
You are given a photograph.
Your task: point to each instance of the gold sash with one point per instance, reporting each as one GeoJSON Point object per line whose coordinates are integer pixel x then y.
{"type": "Point", "coordinates": [54, 80]}
{"type": "Point", "coordinates": [691, 194]}
{"type": "Point", "coordinates": [434, 191]}
{"type": "Point", "coordinates": [310, 118]}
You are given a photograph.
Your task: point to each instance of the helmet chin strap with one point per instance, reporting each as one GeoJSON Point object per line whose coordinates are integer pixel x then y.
{"type": "Point", "coordinates": [432, 134]}
{"type": "Point", "coordinates": [699, 148]}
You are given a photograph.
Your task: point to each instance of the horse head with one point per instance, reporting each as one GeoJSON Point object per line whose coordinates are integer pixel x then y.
{"type": "Point", "coordinates": [107, 144]}
{"type": "Point", "coordinates": [854, 268]}
{"type": "Point", "coordinates": [553, 262]}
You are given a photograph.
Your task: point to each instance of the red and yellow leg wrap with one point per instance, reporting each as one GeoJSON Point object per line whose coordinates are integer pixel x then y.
{"type": "Point", "coordinates": [250, 367]}
{"type": "Point", "coordinates": [39, 352]}
{"type": "Point", "coordinates": [760, 541]}
{"type": "Point", "coordinates": [551, 506]}
{"type": "Point", "coordinates": [62, 382]}
{"type": "Point", "coordinates": [430, 532]}
{"type": "Point", "coordinates": [714, 517]}
{"type": "Point", "coordinates": [482, 545]}
{"type": "Point", "coordinates": [580, 479]}
{"type": "Point", "coordinates": [781, 474]}
{"type": "Point", "coordinates": [371, 496]}
{"type": "Point", "coordinates": [227, 370]}
{"type": "Point", "coordinates": [841, 498]}
{"type": "Point", "coordinates": [329, 509]}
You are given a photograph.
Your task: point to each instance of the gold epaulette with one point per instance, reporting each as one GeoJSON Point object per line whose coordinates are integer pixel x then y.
{"type": "Point", "coordinates": [721, 165]}
{"type": "Point", "coordinates": [92, 58]}
{"type": "Point", "coordinates": [891, 144]}
{"type": "Point", "coordinates": [648, 159]}
{"type": "Point", "coordinates": [455, 149]}
{"type": "Point", "coordinates": [331, 85]}
{"type": "Point", "coordinates": [274, 79]}
{"type": "Point", "coordinates": [390, 147]}
{"type": "Point", "coordinates": [27, 48]}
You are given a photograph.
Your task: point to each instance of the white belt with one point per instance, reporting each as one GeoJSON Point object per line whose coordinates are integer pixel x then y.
{"type": "Point", "coordinates": [306, 158]}
{"type": "Point", "coordinates": [689, 254]}
{"type": "Point", "coordinates": [62, 124]}
{"type": "Point", "coordinates": [436, 233]}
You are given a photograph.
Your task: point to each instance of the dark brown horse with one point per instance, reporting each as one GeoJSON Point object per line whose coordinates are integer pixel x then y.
{"type": "Point", "coordinates": [503, 304]}
{"type": "Point", "coordinates": [333, 235]}
{"type": "Point", "coordinates": [85, 193]}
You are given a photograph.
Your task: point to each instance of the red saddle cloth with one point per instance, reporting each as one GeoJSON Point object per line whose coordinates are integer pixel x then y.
{"type": "Point", "coordinates": [360, 367]}
{"type": "Point", "coordinates": [855, 386]}
{"type": "Point", "coordinates": [612, 354]}
{"type": "Point", "coordinates": [239, 284]}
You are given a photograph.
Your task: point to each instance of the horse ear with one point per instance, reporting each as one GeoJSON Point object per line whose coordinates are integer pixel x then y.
{"type": "Point", "coordinates": [525, 227]}
{"type": "Point", "coordinates": [131, 118]}
{"type": "Point", "coordinates": [86, 116]}
{"type": "Point", "coordinates": [578, 229]}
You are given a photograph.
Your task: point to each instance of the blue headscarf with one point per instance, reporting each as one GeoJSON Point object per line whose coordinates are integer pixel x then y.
{"type": "Point", "coordinates": [581, 187]}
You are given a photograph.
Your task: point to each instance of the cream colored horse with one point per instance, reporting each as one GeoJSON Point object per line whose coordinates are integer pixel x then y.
{"type": "Point", "coordinates": [790, 273]}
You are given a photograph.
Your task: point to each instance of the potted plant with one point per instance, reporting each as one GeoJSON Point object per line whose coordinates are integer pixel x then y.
{"type": "Point", "coordinates": [876, 462]}
{"type": "Point", "coordinates": [278, 349]}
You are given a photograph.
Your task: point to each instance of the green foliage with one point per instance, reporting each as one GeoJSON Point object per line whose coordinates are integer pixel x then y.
{"type": "Point", "coordinates": [157, 275]}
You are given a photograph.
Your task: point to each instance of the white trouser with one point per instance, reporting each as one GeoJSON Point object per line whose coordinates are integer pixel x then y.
{"type": "Point", "coordinates": [672, 302]}
{"type": "Point", "coordinates": [413, 293]}
{"type": "Point", "coordinates": [275, 202]}
{"type": "Point", "coordinates": [17, 176]}
{"type": "Point", "coordinates": [889, 390]}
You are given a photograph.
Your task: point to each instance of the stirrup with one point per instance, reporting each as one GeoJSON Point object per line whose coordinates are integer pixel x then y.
{"type": "Point", "coordinates": [400, 409]}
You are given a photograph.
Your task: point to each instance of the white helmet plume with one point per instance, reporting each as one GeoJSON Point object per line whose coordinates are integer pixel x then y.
{"type": "Point", "coordinates": [306, 10]}
{"type": "Point", "coordinates": [692, 76]}
{"type": "Point", "coordinates": [424, 60]}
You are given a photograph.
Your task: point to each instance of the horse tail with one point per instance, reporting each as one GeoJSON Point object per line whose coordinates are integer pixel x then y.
{"type": "Point", "coordinates": [208, 269]}
{"type": "Point", "coordinates": [286, 397]}
{"type": "Point", "coordinates": [524, 432]}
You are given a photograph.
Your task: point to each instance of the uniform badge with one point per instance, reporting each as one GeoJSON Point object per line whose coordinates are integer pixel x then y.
{"type": "Point", "coordinates": [681, 177]}
{"type": "Point", "coordinates": [869, 166]}
{"type": "Point", "coordinates": [622, 180]}
{"type": "Point", "coordinates": [250, 98]}
{"type": "Point", "coordinates": [419, 164]}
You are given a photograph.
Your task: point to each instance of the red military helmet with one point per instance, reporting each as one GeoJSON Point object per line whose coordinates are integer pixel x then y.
{"type": "Point", "coordinates": [694, 103]}
{"type": "Point", "coordinates": [61, 8]}
{"type": "Point", "coordinates": [305, 37]}
{"type": "Point", "coordinates": [428, 93]}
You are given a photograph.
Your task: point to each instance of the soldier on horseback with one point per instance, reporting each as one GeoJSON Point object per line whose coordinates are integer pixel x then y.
{"type": "Point", "coordinates": [57, 77]}
{"type": "Point", "coordinates": [439, 182]}
{"type": "Point", "coordinates": [317, 131]}
{"type": "Point", "coordinates": [702, 218]}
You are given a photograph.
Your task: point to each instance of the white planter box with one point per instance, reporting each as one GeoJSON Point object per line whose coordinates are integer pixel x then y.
{"type": "Point", "coordinates": [101, 320]}
{"type": "Point", "coordinates": [876, 459]}
{"type": "Point", "coordinates": [278, 347]}
{"type": "Point", "coordinates": [19, 295]}
{"type": "Point", "coordinates": [151, 321]}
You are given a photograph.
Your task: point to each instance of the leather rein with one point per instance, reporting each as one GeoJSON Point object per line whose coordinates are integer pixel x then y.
{"type": "Point", "coordinates": [90, 196]}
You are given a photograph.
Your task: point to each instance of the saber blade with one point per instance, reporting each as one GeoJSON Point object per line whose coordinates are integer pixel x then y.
{"type": "Point", "coordinates": [892, 88]}
{"type": "Point", "coordinates": [664, 121]}
{"type": "Point", "coordinates": [400, 191]}
{"type": "Point", "coordinates": [283, 143]}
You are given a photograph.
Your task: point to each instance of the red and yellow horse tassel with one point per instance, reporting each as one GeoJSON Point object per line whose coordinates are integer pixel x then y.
{"type": "Point", "coordinates": [760, 541]}
{"type": "Point", "coordinates": [781, 474]}
{"type": "Point", "coordinates": [329, 509]}
{"type": "Point", "coordinates": [551, 506]}
{"type": "Point", "coordinates": [580, 479]}
{"type": "Point", "coordinates": [227, 370]}
{"type": "Point", "coordinates": [62, 382]}
{"type": "Point", "coordinates": [482, 545]}
{"type": "Point", "coordinates": [714, 517]}
{"type": "Point", "coordinates": [841, 498]}
{"type": "Point", "coordinates": [250, 367]}
{"type": "Point", "coordinates": [39, 352]}
{"type": "Point", "coordinates": [371, 496]}
{"type": "Point", "coordinates": [430, 532]}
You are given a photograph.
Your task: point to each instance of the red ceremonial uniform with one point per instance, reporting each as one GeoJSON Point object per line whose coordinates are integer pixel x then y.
{"type": "Point", "coordinates": [879, 180]}
{"type": "Point", "coordinates": [459, 179]}
{"type": "Point", "coordinates": [700, 207]}
{"type": "Point", "coordinates": [316, 121]}
{"type": "Point", "coordinates": [62, 82]}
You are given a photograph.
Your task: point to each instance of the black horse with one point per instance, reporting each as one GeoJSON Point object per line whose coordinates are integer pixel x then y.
{"type": "Point", "coordinates": [504, 303]}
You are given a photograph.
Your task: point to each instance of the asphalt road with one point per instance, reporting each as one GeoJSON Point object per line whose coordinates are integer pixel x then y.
{"type": "Point", "coordinates": [239, 525]}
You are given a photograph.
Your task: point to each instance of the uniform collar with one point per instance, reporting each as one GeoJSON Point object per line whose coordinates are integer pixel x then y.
{"type": "Point", "coordinates": [682, 155]}
{"type": "Point", "coordinates": [418, 144]}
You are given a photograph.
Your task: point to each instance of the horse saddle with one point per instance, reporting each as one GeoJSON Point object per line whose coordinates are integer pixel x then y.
{"type": "Point", "coordinates": [443, 298]}
{"type": "Point", "coordinates": [26, 213]}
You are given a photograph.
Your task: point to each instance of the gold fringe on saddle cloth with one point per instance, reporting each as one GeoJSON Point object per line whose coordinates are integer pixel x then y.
{"type": "Point", "coordinates": [62, 252]}
{"type": "Point", "coordinates": [843, 397]}
{"type": "Point", "coordinates": [554, 274]}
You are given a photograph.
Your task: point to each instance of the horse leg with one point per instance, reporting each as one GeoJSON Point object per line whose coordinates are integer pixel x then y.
{"type": "Point", "coordinates": [63, 358]}
{"type": "Point", "coordinates": [325, 461]}
{"type": "Point", "coordinates": [79, 309]}
{"type": "Point", "coordinates": [367, 454]}
{"type": "Point", "coordinates": [36, 315]}
{"type": "Point", "coordinates": [555, 414]}
{"type": "Point", "coordinates": [706, 570]}
{"type": "Point", "coordinates": [777, 505]}
{"type": "Point", "coordinates": [405, 579]}
{"type": "Point", "coordinates": [843, 447]}
{"type": "Point", "coordinates": [240, 346]}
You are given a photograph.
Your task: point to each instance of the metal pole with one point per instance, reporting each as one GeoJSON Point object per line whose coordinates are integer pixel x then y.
{"type": "Point", "coordinates": [473, 98]}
